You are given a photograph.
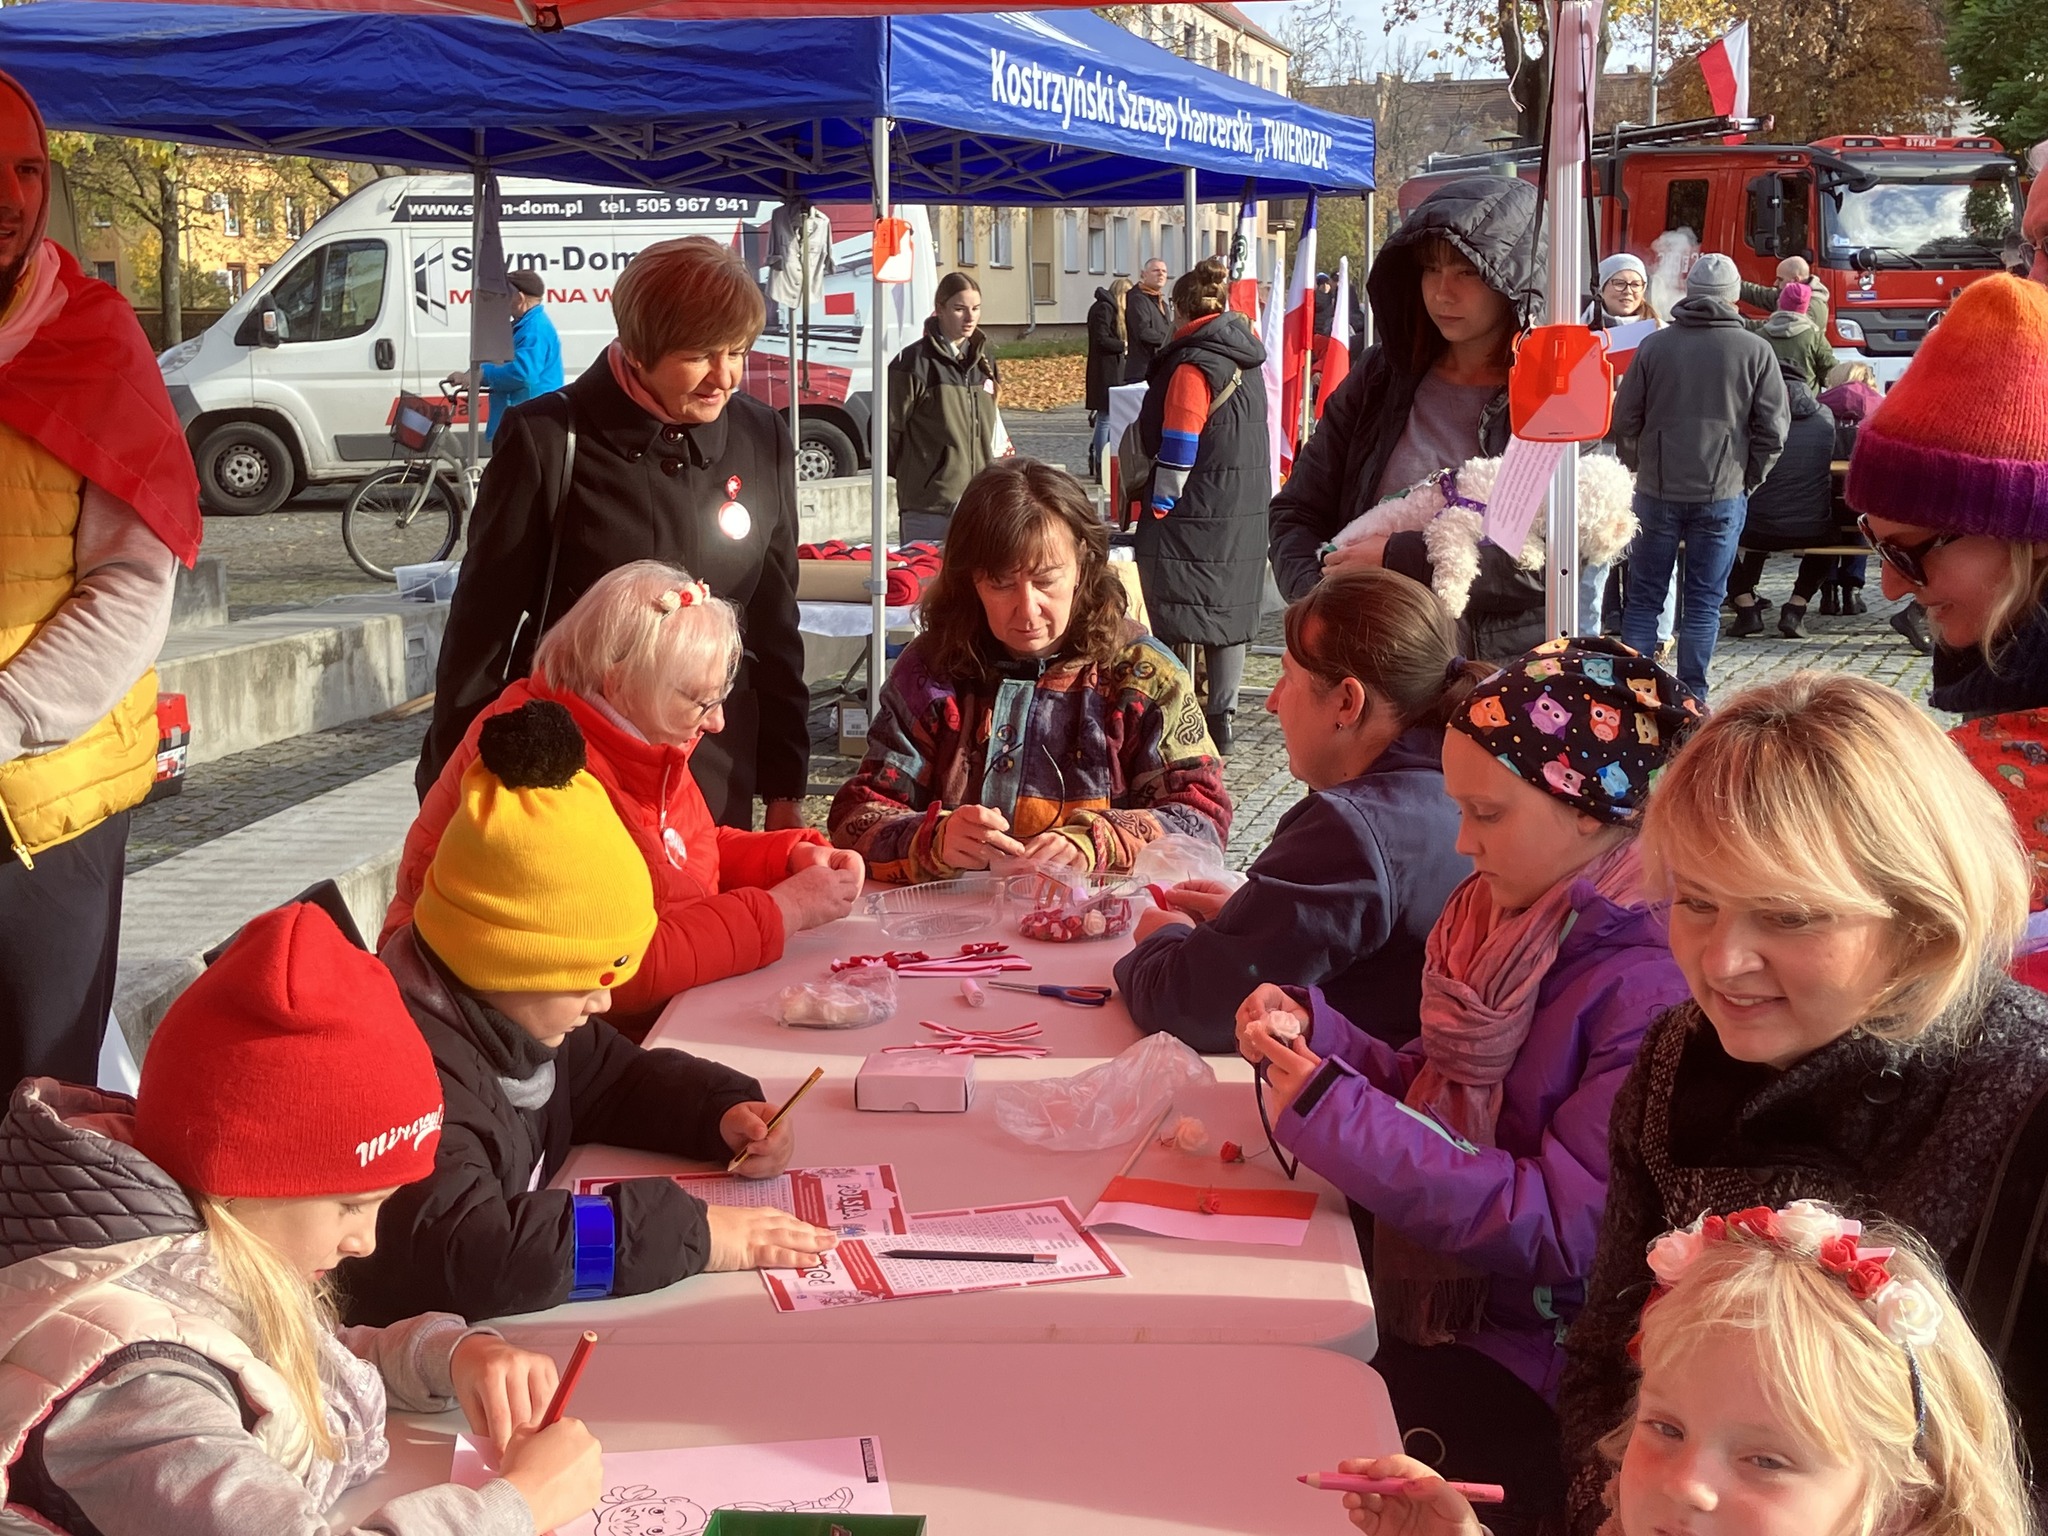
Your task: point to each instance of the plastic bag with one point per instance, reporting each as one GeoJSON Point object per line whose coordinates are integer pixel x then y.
{"type": "Point", "coordinates": [1176, 857]}
{"type": "Point", "coordinates": [850, 1000]}
{"type": "Point", "coordinates": [1106, 1104]}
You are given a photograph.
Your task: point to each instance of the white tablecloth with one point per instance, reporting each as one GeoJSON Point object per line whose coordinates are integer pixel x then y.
{"type": "Point", "coordinates": [846, 621]}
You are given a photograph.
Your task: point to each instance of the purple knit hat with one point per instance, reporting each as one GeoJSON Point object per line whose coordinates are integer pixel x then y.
{"type": "Point", "coordinates": [1961, 441]}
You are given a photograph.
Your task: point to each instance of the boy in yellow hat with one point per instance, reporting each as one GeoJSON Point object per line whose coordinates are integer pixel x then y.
{"type": "Point", "coordinates": [537, 904]}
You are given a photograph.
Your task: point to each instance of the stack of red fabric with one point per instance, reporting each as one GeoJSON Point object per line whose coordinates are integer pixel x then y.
{"type": "Point", "coordinates": [909, 567]}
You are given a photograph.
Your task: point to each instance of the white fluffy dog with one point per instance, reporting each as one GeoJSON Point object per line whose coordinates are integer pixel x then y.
{"type": "Point", "coordinates": [1452, 533]}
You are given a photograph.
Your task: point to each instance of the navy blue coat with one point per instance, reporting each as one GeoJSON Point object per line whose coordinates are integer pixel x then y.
{"type": "Point", "coordinates": [1342, 899]}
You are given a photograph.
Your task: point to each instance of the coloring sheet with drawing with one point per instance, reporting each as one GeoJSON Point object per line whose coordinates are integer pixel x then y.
{"type": "Point", "coordinates": [851, 1201]}
{"type": "Point", "coordinates": [672, 1493]}
{"type": "Point", "coordinates": [856, 1271]}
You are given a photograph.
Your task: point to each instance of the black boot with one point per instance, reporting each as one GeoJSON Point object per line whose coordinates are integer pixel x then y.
{"type": "Point", "coordinates": [1749, 618]}
{"type": "Point", "coordinates": [1911, 621]}
{"type": "Point", "coordinates": [1830, 600]}
{"type": "Point", "coordinates": [1219, 733]}
{"type": "Point", "coordinates": [1791, 617]}
{"type": "Point", "coordinates": [1852, 600]}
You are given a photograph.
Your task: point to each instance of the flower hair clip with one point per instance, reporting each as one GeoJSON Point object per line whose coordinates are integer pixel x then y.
{"type": "Point", "coordinates": [683, 597]}
{"type": "Point", "coordinates": [1903, 1309]}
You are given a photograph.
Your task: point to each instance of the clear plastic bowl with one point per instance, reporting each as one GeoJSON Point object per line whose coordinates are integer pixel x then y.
{"type": "Point", "coordinates": [943, 909]}
{"type": "Point", "coordinates": [1034, 900]}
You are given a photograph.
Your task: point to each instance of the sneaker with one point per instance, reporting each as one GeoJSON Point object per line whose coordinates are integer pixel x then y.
{"type": "Point", "coordinates": [1749, 619]}
{"type": "Point", "coordinates": [1910, 620]}
{"type": "Point", "coordinates": [1852, 600]}
{"type": "Point", "coordinates": [1791, 617]}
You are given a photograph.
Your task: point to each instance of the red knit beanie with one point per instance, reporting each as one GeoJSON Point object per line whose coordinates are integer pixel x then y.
{"type": "Point", "coordinates": [290, 1068]}
{"type": "Point", "coordinates": [1961, 441]}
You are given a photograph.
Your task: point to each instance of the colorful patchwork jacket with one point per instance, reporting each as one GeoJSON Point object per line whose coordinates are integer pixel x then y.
{"type": "Point", "coordinates": [1109, 757]}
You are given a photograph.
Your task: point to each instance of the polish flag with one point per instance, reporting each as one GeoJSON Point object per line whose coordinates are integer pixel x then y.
{"type": "Point", "coordinates": [1725, 63]}
{"type": "Point", "coordinates": [1298, 343]}
{"type": "Point", "coordinates": [1333, 352]}
{"type": "Point", "coordinates": [1276, 328]}
{"type": "Point", "coordinates": [1244, 261]}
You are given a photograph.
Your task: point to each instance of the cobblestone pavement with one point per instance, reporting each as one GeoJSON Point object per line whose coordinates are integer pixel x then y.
{"type": "Point", "coordinates": [290, 558]}
{"type": "Point", "coordinates": [1057, 437]}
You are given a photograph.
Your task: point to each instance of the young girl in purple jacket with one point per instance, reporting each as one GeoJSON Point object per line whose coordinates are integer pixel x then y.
{"type": "Point", "coordinates": [1479, 1151]}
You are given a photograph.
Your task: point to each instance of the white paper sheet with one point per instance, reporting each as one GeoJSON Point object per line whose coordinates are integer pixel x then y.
{"type": "Point", "coordinates": [855, 1273]}
{"type": "Point", "coordinates": [672, 1493]}
{"type": "Point", "coordinates": [852, 1201]}
{"type": "Point", "coordinates": [1623, 339]}
{"type": "Point", "coordinates": [1518, 491]}
{"type": "Point", "coordinates": [1231, 1214]}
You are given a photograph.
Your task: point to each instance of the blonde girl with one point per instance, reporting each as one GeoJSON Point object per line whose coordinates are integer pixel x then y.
{"type": "Point", "coordinates": [171, 1366]}
{"type": "Point", "coordinates": [1801, 1377]}
{"type": "Point", "coordinates": [1846, 894]}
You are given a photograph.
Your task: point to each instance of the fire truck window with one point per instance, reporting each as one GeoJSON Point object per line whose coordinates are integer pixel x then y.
{"type": "Point", "coordinates": [1794, 217]}
{"type": "Point", "coordinates": [1685, 206]}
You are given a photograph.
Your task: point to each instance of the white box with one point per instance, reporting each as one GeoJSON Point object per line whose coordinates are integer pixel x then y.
{"type": "Point", "coordinates": [921, 1080]}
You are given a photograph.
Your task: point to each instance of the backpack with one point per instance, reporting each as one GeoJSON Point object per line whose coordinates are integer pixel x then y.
{"type": "Point", "coordinates": [1134, 465]}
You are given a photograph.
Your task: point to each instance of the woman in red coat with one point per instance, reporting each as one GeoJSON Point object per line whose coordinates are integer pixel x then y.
{"type": "Point", "coordinates": [644, 662]}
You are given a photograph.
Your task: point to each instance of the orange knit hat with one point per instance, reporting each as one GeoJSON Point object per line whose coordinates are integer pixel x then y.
{"type": "Point", "coordinates": [1961, 441]}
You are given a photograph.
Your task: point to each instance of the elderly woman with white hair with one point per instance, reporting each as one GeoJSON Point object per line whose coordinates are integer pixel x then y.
{"type": "Point", "coordinates": [645, 662]}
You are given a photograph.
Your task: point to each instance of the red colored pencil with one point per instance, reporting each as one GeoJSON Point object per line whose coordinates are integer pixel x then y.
{"type": "Point", "coordinates": [1350, 1482]}
{"type": "Point", "coordinates": [577, 1360]}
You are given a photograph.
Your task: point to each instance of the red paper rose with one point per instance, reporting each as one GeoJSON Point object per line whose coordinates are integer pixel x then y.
{"type": "Point", "coordinates": [1866, 1277]}
{"type": "Point", "coordinates": [1837, 1255]}
{"type": "Point", "coordinates": [1231, 1152]}
{"type": "Point", "coordinates": [1758, 1221]}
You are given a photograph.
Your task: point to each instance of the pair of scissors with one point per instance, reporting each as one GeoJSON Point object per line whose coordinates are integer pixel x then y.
{"type": "Point", "coordinates": [1080, 997]}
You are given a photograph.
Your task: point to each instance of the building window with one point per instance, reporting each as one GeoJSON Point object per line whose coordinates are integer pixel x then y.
{"type": "Point", "coordinates": [1685, 206]}
{"type": "Point", "coordinates": [963, 255]}
{"type": "Point", "coordinates": [1223, 60]}
{"type": "Point", "coordinates": [1120, 244]}
{"type": "Point", "coordinates": [104, 271]}
{"type": "Point", "coordinates": [1070, 239]}
{"type": "Point", "coordinates": [1002, 232]}
{"type": "Point", "coordinates": [1266, 259]}
{"type": "Point", "coordinates": [229, 206]}
{"type": "Point", "coordinates": [1098, 244]}
{"type": "Point", "coordinates": [265, 224]}
{"type": "Point", "coordinates": [238, 280]}
{"type": "Point", "coordinates": [103, 216]}
{"type": "Point", "coordinates": [294, 218]}
{"type": "Point", "coordinates": [1144, 243]}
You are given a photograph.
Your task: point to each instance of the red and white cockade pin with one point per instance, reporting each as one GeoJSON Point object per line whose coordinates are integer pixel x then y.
{"type": "Point", "coordinates": [734, 521]}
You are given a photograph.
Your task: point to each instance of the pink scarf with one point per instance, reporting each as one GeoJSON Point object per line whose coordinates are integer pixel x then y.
{"type": "Point", "coordinates": [1482, 971]}
{"type": "Point", "coordinates": [624, 377]}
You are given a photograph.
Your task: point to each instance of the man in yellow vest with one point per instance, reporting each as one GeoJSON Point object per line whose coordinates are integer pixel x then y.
{"type": "Point", "coordinates": [98, 504]}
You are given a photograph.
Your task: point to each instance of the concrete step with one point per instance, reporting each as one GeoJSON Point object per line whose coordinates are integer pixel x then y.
{"type": "Point", "coordinates": [174, 912]}
{"type": "Point", "coordinates": [201, 596]}
{"type": "Point", "coordinates": [260, 680]}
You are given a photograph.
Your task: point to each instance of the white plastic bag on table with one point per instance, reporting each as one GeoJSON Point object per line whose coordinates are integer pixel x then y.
{"type": "Point", "coordinates": [1106, 1104]}
{"type": "Point", "coordinates": [850, 1000]}
{"type": "Point", "coordinates": [1176, 857]}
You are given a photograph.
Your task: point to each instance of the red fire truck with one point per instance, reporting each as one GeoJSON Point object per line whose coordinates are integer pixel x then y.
{"type": "Point", "coordinates": [1896, 226]}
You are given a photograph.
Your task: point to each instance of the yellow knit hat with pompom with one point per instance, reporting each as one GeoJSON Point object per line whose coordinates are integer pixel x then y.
{"type": "Point", "coordinates": [536, 885]}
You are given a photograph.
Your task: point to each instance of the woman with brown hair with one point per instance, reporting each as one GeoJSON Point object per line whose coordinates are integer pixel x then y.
{"type": "Point", "coordinates": [653, 454]}
{"type": "Point", "coordinates": [942, 409]}
{"type": "Point", "coordinates": [1345, 894]}
{"type": "Point", "coordinates": [1032, 717]}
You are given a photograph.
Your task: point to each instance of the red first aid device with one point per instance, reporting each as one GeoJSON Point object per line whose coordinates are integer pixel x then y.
{"type": "Point", "coordinates": [1561, 388]}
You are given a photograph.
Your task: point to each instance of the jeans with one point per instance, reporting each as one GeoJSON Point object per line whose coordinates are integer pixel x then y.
{"type": "Point", "coordinates": [1710, 532]}
{"type": "Point", "coordinates": [1225, 667]}
{"type": "Point", "coordinates": [1100, 421]}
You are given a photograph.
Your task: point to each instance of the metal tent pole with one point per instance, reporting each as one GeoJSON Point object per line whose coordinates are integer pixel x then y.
{"type": "Point", "coordinates": [479, 182]}
{"type": "Point", "coordinates": [878, 434]}
{"type": "Point", "coordinates": [1187, 243]}
{"type": "Point", "coordinates": [803, 281]}
{"type": "Point", "coordinates": [1656, 17]}
{"type": "Point", "coordinates": [1574, 24]}
{"type": "Point", "coordinates": [1371, 233]}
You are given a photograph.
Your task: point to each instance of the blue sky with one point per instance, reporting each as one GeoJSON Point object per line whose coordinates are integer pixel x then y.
{"type": "Point", "coordinates": [1270, 14]}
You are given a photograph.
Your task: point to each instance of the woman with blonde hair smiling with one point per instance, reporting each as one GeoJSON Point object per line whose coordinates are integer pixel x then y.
{"type": "Point", "coordinates": [645, 663]}
{"type": "Point", "coordinates": [652, 454]}
{"type": "Point", "coordinates": [1846, 895]}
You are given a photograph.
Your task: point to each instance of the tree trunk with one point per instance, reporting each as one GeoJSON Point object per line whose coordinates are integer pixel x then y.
{"type": "Point", "coordinates": [170, 285]}
{"type": "Point", "coordinates": [1528, 75]}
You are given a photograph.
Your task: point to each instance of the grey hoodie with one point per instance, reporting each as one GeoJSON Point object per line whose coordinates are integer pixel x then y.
{"type": "Point", "coordinates": [1701, 413]}
{"type": "Point", "coordinates": [160, 1445]}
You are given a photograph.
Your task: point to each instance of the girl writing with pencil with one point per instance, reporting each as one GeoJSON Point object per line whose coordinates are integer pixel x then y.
{"type": "Point", "coordinates": [1801, 1377]}
{"type": "Point", "coordinates": [170, 1365]}
{"type": "Point", "coordinates": [1479, 1150]}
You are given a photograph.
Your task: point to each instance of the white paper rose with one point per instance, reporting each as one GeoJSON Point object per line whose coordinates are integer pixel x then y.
{"type": "Point", "coordinates": [1673, 1254]}
{"type": "Point", "coordinates": [1190, 1135]}
{"type": "Point", "coordinates": [1906, 1313]}
{"type": "Point", "coordinates": [1806, 1224]}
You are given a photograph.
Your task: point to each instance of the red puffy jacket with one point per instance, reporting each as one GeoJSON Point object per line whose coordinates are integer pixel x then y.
{"type": "Point", "coordinates": [716, 918]}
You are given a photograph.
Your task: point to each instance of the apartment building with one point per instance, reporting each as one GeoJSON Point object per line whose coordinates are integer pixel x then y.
{"type": "Point", "coordinates": [1043, 265]}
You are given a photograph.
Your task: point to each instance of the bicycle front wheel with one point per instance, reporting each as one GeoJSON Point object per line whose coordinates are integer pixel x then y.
{"type": "Point", "coordinates": [407, 515]}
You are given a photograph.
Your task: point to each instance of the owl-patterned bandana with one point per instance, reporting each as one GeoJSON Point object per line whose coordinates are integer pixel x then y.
{"type": "Point", "coordinates": [1587, 720]}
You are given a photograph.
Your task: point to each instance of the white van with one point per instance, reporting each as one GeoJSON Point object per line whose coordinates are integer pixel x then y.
{"type": "Point", "coordinates": [298, 382]}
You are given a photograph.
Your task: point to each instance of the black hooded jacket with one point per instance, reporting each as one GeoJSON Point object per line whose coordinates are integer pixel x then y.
{"type": "Point", "coordinates": [1794, 507]}
{"type": "Point", "coordinates": [1490, 220]}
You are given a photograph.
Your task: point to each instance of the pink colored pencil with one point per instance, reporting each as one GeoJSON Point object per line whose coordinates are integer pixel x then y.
{"type": "Point", "coordinates": [1347, 1482]}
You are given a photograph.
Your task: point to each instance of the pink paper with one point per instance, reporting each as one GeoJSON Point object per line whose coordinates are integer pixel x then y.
{"type": "Point", "coordinates": [851, 1201]}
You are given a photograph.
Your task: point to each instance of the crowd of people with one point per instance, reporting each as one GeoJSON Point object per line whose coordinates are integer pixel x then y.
{"type": "Point", "coordinates": [1668, 1056]}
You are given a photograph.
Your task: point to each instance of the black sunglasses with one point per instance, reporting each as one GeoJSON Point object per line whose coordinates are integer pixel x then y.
{"type": "Point", "coordinates": [1288, 1165]}
{"type": "Point", "coordinates": [1909, 560]}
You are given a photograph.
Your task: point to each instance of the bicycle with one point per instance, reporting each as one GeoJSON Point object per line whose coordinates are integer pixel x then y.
{"type": "Point", "coordinates": [413, 513]}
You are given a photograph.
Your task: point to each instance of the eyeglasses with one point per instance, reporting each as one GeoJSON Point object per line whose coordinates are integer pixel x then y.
{"type": "Point", "coordinates": [1626, 284]}
{"type": "Point", "coordinates": [705, 706]}
{"type": "Point", "coordinates": [1288, 1165]}
{"type": "Point", "coordinates": [1909, 560]}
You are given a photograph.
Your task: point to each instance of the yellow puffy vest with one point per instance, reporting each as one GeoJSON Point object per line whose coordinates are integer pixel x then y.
{"type": "Point", "coordinates": [51, 797]}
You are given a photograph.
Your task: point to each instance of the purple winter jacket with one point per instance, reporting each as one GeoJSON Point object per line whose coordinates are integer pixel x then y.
{"type": "Point", "coordinates": [1528, 1209]}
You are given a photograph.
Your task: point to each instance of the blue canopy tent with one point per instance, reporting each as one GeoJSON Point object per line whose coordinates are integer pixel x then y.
{"type": "Point", "coordinates": [1008, 108]}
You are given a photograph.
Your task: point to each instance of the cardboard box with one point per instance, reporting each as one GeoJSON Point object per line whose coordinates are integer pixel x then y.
{"type": "Point", "coordinates": [922, 1080]}
{"type": "Point", "coordinates": [853, 730]}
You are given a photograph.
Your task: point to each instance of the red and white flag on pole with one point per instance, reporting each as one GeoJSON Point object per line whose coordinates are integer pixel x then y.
{"type": "Point", "coordinates": [1276, 329]}
{"type": "Point", "coordinates": [1333, 352]}
{"type": "Point", "coordinates": [1244, 260]}
{"type": "Point", "coordinates": [1725, 63]}
{"type": "Point", "coordinates": [1298, 342]}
